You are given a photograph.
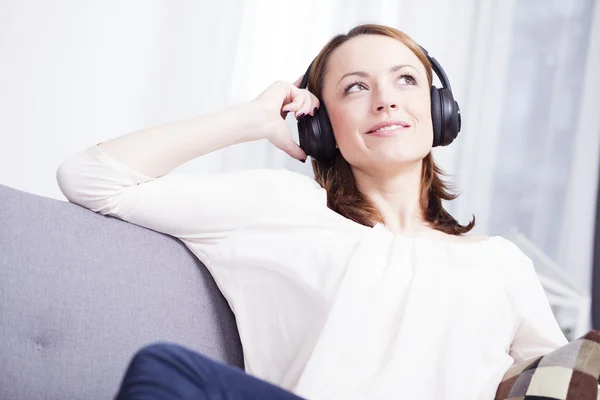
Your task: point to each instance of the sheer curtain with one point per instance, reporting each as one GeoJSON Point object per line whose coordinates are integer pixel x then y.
{"type": "Point", "coordinates": [526, 162]}
{"type": "Point", "coordinates": [270, 49]}
{"type": "Point", "coordinates": [539, 185]}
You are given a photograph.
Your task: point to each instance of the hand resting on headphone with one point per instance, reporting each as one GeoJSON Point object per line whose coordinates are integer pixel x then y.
{"type": "Point", "coordinates": [280, 99]}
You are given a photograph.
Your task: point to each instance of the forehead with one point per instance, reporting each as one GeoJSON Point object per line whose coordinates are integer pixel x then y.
{"type": "Point", "coordinates": [372, 54]}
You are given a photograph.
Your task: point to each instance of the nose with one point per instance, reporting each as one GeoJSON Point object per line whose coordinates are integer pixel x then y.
{"type": "Point", "coordinates": [384, 107]}
{"type": "Point", "coordinates": [384, 100]}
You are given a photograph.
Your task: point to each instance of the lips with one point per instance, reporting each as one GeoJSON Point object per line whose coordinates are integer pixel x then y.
{"type": "Point", "coordinates": [388, 125]}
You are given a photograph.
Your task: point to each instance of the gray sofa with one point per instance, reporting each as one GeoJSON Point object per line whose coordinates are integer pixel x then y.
{"type": "Point", "coordinates": [80, 293]}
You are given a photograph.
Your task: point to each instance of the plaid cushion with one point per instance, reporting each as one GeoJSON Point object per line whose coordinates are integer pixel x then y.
{"type": "Point", "coordinates": [570, 372]}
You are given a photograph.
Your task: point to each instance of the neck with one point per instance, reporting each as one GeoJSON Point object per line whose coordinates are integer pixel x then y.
{"type": "Point", "coordinates": [396, 196]}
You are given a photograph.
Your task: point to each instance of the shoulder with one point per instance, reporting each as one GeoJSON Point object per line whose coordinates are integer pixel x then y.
{"type": "Point", "coordinates": [501, 243]}
{"type": "Point", "coordinates": [467, 238]}
{"type": "Point", "coordinates": [507, 251]}
{"type": "Point", "coordinates": [512, 260]}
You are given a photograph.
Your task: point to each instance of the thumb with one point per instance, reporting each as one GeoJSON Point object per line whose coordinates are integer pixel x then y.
{"type": "Point", "coordinates": [285, 142]}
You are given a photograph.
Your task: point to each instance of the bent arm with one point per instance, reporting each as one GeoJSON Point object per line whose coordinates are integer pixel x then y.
{"type": "Point", "coordinates": [157, 150]}
{"type": "Point", "coordinates": [538, 332]}
{"type": "Point", "coordinates": [128, 178]}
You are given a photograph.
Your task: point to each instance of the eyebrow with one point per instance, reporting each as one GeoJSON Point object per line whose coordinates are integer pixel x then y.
{"type": "Point", "coordinates": [364, 74]}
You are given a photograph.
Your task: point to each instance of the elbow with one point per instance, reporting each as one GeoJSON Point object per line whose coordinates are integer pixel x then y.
{"type": "Point", "coordinates": [89, 183]}
{"type": "Point", "coordinates": [66, 178]}
{"type": "Point", "coordinates": [79, 184]}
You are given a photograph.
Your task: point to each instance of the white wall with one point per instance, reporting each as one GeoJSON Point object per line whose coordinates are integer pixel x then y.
{"type": "Point", "coordinates": [73, 73]}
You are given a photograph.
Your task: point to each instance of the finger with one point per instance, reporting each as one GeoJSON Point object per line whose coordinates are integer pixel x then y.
{"type": "Point", "coordinates": [294, 106]}
{"type": "Point", "coordinates": [286, 143]}
{"type": "Point", "coordinates": [294, 151]}
{"type": "Point", "coordinates": [306, 107]}
{"type": "Point", "coordinates": [315, 104]}
{"type": "Point", "coordinates": [310, 103]}
{"type": "Point", "coordinates": [297, 98]}
{"type": "Point", "coordinates": [284, 114]}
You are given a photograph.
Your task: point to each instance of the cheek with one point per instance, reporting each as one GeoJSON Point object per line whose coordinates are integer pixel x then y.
{"type": "Point", "coordinates": [345, 122]}
{"type": "Point", "coordinates": [421, 107]}
{"type": "Point", "coordinates": [421, 110]}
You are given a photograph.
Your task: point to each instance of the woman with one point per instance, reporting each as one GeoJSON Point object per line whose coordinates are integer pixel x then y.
{"type": "Point", "coordinates": [356, 285]}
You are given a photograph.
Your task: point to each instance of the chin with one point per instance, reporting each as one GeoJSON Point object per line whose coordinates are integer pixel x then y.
{"type": "Point", "coordinates": [388, 163]}
{"type": "Point", "coordinates": [399, 147]}
{"type": "Point", "coordinates": [395, 156]}
{"type": "Point", "coordinates": [386, 154]}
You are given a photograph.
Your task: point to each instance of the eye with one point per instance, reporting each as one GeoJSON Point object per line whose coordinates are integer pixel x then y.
{"type": "Point", "coordinates": [358, 84]}
{"type": "Point", "coordinates": [407, 79]}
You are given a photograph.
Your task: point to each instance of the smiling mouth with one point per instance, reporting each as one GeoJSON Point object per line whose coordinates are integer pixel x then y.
{"type": "Point", "coordinates": [388, 130]}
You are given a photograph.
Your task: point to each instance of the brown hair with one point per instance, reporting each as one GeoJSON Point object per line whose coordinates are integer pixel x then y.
{"type": "Point", "coordinates": [336, 176]}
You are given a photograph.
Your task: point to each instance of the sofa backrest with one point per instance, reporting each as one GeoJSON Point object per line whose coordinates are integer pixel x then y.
{"type": "Point", "coordinates": [80, 293]}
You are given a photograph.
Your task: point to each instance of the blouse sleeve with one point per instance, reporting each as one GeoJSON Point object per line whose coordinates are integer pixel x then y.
{"type": "Point", "coordinates": [538, 332]}
{"type": "Point", "coordinates": [201, 209]}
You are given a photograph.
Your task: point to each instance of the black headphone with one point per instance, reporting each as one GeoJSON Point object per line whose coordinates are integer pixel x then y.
{"type": "Point", "coordinates": [316, 135]}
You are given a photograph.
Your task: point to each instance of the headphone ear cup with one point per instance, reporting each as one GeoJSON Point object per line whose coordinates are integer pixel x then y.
{"type": "Point", "coordinates": [306, 135]}
{"type": "Point", "coordinates": [316, 135]}
{"type": "Point", "coordinates": [436, 117]}
{"type": "Point", "coordinates": [328, 149]}
{"type": "Point", "coordinates": [445, 116]}
{"type": "Point", "coordinates": [450, 117]}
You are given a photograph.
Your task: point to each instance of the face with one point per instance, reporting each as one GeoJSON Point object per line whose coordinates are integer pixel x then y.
{"type": "Point", "coordinates": [371, 81]}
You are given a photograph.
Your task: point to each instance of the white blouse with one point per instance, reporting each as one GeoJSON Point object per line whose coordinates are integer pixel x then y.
{"type": "Point", "coordinates": [328, 308]}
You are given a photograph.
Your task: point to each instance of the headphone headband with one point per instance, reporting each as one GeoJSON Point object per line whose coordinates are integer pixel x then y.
{"type": "Point", "coordinates": [437, 68]}
{"type": "Point", "coordinates": [304, 82]}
